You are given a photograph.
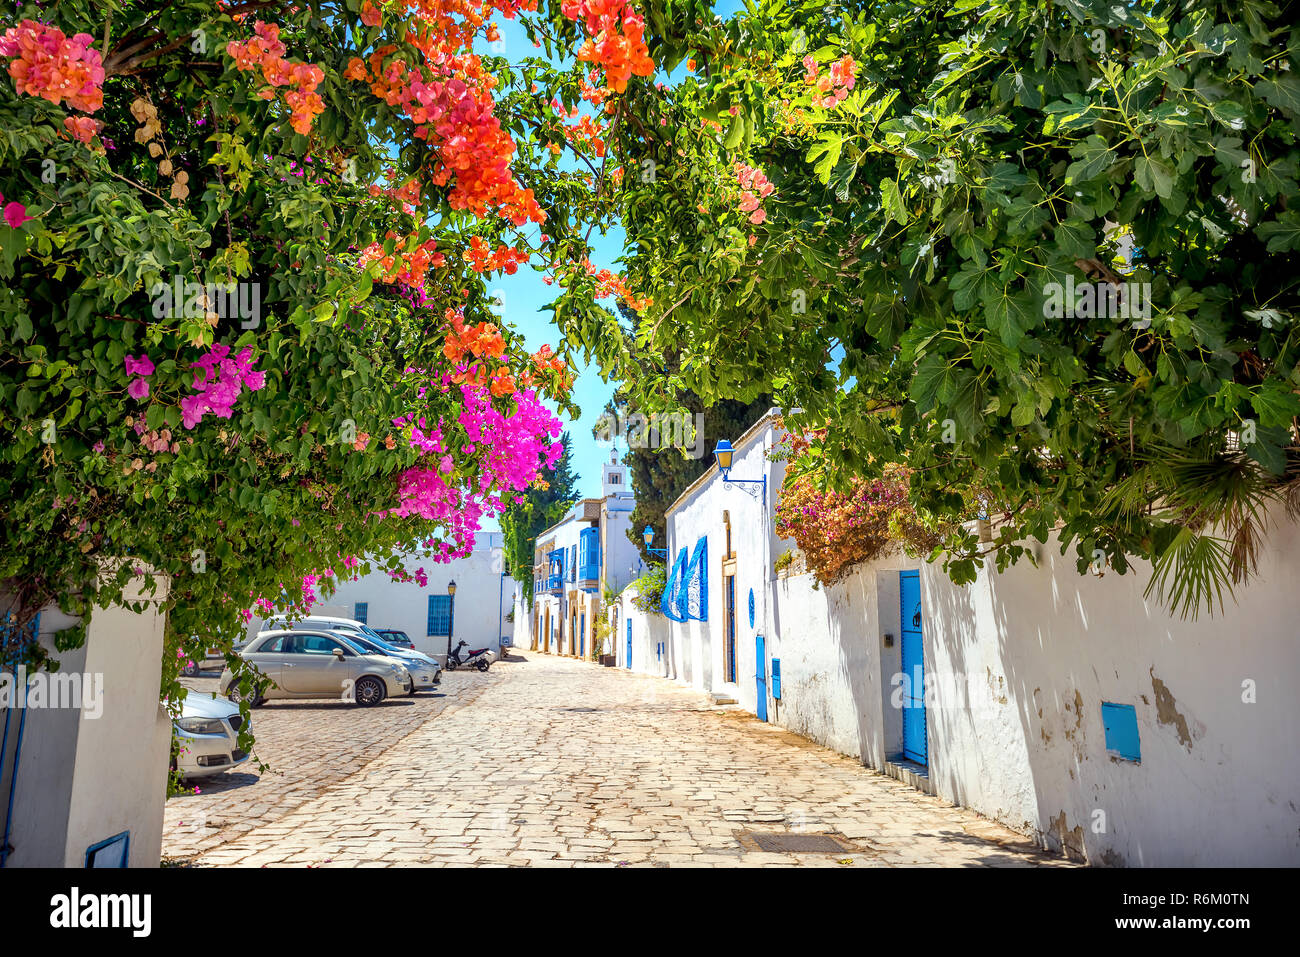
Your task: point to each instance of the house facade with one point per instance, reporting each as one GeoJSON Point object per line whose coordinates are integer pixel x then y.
{"type": "Point", "coordinates": [434, 619]}
{"type": "Point", "coordinates": [575, 561]}
{"type": "Point", "coordinates": [1071, 707]}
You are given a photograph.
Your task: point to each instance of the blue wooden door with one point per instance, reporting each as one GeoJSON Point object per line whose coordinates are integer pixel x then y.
{"type": "Point", "coordinates": [909, 587]}
{"type": "Point", "coordinates": [629, 643]}
{"type": "Point", "coordinates": [760, 673]}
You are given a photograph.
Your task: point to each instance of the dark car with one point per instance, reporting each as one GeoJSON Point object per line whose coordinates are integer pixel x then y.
{"type": "Point", "coordinates": [395, 637]}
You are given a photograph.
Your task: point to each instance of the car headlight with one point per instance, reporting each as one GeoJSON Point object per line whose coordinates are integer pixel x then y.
{"type": "Point", "coordinates": [201, 725]}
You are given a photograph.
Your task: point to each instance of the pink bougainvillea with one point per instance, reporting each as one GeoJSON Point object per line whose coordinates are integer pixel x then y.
{"type": "Point", "coordinates": [219, 380]}
{"type": "Point", "coordinates": [53, 66]}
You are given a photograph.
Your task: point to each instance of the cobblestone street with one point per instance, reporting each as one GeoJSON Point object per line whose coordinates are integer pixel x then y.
{"type": "Point", "coordinates": [555, 762]}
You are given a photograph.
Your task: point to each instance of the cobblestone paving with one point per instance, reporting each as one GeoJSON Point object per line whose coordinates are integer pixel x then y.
{"type": "Point", "coordinates": [554, 762]}
{"type": "Point", "coordinates": [309, 745]}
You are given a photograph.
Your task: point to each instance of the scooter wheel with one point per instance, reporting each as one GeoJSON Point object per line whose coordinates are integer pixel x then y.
{"type": "Point", "coordinates": [482, 666]}
{"type": "Point", "coordinates": [452, 664]}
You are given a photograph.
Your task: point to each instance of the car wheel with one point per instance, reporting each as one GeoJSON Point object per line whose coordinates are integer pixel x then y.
{"type": "Point", "coordinates": [254, 697]}
{"type": "Point", "coordinates": [191, 669]}
{"type": "Point", "coordinates": [369, 691]}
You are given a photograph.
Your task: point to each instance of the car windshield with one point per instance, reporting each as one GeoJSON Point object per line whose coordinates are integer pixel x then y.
{"type": "Point", "coordinates": [352, 642]}
{"type": "Point", "coordinates": [377, 639]}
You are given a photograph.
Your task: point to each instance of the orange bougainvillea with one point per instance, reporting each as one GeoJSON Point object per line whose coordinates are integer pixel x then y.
{"type": "Point", "coordinates": [450, 102]}
{"type": "Point", "coordinates": [617, 39]}
{"type": "Point", "coordinates": [482, 259]}
{"type": "Point", "coordinates": [53, 66]}
{"type": "Point", "coordinates": [408, 263]}
{"type": "Point", "coordinates": [266, 51]}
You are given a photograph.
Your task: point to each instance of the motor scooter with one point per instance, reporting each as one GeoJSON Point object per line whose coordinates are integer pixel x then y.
{"type": "Point", "coordinates": [479, 658]}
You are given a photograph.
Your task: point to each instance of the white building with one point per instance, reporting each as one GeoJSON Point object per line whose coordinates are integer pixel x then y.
{"type": "Point", "coordinates": [1066, 706]}
{"type": "Point", "coordinates": [433, 618]}
{"type": "Point", "coordinates": [576, 559]}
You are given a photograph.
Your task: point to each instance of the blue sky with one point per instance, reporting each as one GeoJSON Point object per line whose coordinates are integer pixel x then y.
{"type": "Point", "coordinates": [525, 296]}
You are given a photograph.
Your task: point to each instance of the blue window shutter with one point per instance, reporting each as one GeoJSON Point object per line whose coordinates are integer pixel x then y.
{"type": "Point", "coordinates": [1120, 722]}
{"type": "Point", "coordinates": [361, 610]}
{"type": "Point", "coordinates": [439, 616]}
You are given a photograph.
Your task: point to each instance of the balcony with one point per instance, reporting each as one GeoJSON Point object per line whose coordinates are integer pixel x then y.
{"type": "Point", "coordinates": [589, 559]}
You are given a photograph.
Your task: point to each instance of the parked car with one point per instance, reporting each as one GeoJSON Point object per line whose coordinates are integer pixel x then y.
{"type": "Point", "coordinates": [396, 638]}
{"type": "Point", "coordinates": [426, 671]}
{"type": "Point", "coordinates": [318, 664]}
{"type": "Point", "coordinates": [192, 668]}
{"type": "Point", "coordinates": [208, 733]}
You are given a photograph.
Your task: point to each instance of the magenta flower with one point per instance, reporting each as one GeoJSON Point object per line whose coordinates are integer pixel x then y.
{"type": "Point", "coordinates": [138, 389]}
{"type": "Point", "coordinates": [141, 366]}
{"type": "Point", "coordinates": [16, 214]}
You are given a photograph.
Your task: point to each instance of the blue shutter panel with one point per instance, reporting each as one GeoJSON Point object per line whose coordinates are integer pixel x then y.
{"type": "Point", "coordinates": [360, 612]}
{"type": "Point", "coordinates": [439, 616]}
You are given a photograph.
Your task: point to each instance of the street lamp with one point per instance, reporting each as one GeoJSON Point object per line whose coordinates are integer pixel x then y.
{"type": "Point", "coordinates": [723, 454]}
{"type": "Point", "coordinates": [451, 613]}
{"type": "Point", "coordinates": [649, 536]}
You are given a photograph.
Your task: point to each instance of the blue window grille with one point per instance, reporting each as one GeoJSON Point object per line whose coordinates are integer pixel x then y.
{"type": "Point", "coordinates": [589, 554]}
{"type": "Point", "coordinates": [686, 595]}
{"type": "Point", "coordinates": [1121, 724]}
{"type": "Point", "coordinates": [439, 616]}
{"type": "Point", "coordinates": [360, 611]}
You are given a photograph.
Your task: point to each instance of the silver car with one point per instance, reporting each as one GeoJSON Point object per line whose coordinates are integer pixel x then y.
{"type": "Point", "coordinates": [208, 734]}
{"type": "Point", "coordinates": [318, 664]}
{"type": "Point", "coordinates": [426, 673]}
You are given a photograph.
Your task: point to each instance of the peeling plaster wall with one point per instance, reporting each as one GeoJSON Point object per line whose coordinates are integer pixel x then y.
{"type": "Point", "coordinates": [1219, 778]}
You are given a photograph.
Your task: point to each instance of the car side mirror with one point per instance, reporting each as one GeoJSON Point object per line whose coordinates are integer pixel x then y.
{"type": "Point", "coordinates": [338, 653]}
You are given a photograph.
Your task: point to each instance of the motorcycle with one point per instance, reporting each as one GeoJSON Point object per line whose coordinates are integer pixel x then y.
{"type": "Point", "coordinates": [479, 658]}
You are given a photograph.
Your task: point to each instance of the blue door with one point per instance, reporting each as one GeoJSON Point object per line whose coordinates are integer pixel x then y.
{"type": "Point", "coordinates": [629, 642]}
{"type": "Point", "coordinates": [909, 587]}
{"type": "Point", "coordinates": [582, 637]}
{"type": "Point", "coordinates": [760, 673]}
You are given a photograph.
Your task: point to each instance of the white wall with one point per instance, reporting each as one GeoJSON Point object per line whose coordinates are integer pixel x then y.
{"type": "Point", "coordinates": [482, 599]}
{"type": "Point", "coordinates": [83, 779]}
{"type": "Point", "coordinates": [1219, 778]}
{"type": "Point", "coordinates": [697, 647]}
{"type": "Point", "coordinates": [648, 632]}
{"type": "Point", "coordinates": [1019, 664]}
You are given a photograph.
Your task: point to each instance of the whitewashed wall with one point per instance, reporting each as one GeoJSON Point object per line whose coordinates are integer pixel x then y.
{"type": "Point", "coordinates": [697, 648]}
{"type": "Point", "coordinates": [85, 778]}
{"type": "Point", "coordinates": [1022, 662]}
{"type": "Point", "coordinates": [649, 631]}
{"type": "Point", "coordinates": [482, 599]}
{"type": "Point", "coordinates": [1219, 778]}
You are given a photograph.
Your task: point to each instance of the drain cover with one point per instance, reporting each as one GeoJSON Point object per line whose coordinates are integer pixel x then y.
{"type": "Point", "coordinates": [783, 842]}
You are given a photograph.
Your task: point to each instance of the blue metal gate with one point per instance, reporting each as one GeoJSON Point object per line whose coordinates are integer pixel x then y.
{"type": "Point", "coordinates": [629, 643]}
{"type": "Point", "coordinates": [914, 747]}
{"type": "Point", "coordinates": [760, 674]}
